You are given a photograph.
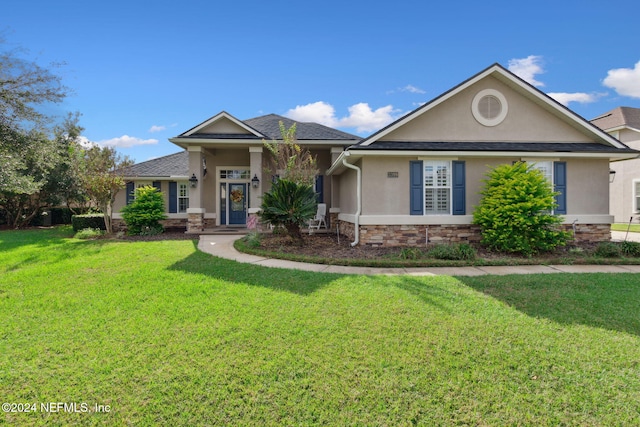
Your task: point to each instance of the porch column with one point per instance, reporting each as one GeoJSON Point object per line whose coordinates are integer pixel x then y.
{"type": "Point", "coordinates": [195, 212]}
{"type": "Point", "coordinates": [255, 158]}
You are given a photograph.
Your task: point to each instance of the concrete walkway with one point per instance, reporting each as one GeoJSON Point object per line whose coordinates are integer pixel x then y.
{"type": "Point", "coordinates": [222, 246]}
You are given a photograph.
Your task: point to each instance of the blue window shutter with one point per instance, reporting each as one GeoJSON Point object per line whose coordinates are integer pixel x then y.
{"type": "Point", "coordinates": [130, 191]}
{"type": "Point", "coordinates": [173, 197]}
{"type": "Point", "coordinates": [320, 188]}
{"type": "Point", "coordinates": [458, 196]}
{"type": "Point", "coordinates": [560, 186]}
{"type": "Point", "coordinates": [416, 190]}
{"type": "Point", "coordinates": [156, 184]}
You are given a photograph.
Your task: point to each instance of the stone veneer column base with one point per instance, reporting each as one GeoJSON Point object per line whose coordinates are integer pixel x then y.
{"type": "Point", "coordinates": [589, 233]}
{"type": "Point", "coordinates": [421, 235]}
{"type": "Point", "coordinates": [195, 222]}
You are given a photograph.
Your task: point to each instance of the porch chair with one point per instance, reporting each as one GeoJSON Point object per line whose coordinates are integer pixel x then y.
{"type": "Point", "coordinates": [319, 219]}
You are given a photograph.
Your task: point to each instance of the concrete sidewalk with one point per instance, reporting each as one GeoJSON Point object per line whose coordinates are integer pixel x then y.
{"type": "Point", "coordinates": [222, 246]}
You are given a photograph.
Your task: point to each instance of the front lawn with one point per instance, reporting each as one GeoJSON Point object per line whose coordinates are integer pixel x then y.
{"type": "Point", "coordinates": [162, 334]}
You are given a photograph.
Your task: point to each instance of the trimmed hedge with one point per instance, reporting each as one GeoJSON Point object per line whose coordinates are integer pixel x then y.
{"type": "Point", "coordinates": [80, 222]}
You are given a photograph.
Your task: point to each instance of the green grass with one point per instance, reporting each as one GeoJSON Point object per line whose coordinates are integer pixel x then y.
{"type": "Point", "coordinates": [623, 227]}
{"type": "Point", "coordinates": [167, 335]}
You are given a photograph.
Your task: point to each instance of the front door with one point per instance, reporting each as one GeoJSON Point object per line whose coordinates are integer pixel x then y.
{"type": "Point", "coordinates": [237, 204]}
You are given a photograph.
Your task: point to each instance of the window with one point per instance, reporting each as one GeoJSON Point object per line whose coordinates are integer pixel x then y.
{"type": "Point", "coordinates": [546, 167]}
{"type": "Point", "coordinates": [437, 187]}
{"type": "Point", "coordinates": [183, 197]}
{"type": "Point", "coordinates": [636, 196]}
{"type": "Point", "coordinates": [235, 174]}
{"type": "Point", "coordinates": [556, 174]}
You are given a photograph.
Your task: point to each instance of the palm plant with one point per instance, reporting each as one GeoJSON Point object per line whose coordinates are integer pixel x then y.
{"type": "Point", "coordinates": [290, 205]}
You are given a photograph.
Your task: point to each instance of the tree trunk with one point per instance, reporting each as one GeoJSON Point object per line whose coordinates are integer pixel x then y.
{"type": "Point", "coordinates": [293, 230]}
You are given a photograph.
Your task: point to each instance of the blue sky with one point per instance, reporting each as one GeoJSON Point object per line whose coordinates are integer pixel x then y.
{"type": "Point", "coordinates": [142, 72]}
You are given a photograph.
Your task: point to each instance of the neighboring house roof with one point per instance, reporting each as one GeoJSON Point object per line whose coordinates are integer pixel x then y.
{"type": "Point", "coordinates": [619, 118]}
{"type": "Point", "coordinates": [174, 165]}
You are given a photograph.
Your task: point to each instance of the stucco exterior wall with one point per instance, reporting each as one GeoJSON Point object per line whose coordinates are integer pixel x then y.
{"type": "Point", "coordinates": [622, 204]}
{"type": "Point", "coordinates": [452, 120]}
{"type": "Point", "coordinates": [347, 195]}
{"type": "Point", "coordinates": [587, 186]}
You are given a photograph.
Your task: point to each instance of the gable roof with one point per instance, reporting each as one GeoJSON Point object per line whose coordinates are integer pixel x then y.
{"type": "Point", "coordinates": [249, 132]}
{"type": "Point", "coordinates": [269, 126]}
{"type": "Point", "coordinates": [223, 128]}
{"type": "Point", "coordinates": [619, 118]}
{"type": "Point", "coordinates": [517, 84]}
{"type": "Point", "coordinates": [172, 166]}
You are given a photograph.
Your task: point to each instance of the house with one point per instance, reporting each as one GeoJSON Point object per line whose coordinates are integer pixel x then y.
{"type": "Point", "coordinates": [624, 124]}
{"type": "Point", "coordinates": [419, 178]}
{"type": "Point", "coordinates": [218, 179]}
{"type": "Point", "coordinates": [415, 181]}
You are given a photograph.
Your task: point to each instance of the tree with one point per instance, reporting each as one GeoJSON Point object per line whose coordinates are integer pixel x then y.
{"type": "Point", "coordinates": [103, 177]}
{"type": "Point", "coordinates": [291, 201]}
{"type": "Point", "coordinates": [28, 157]}
{"type": "Point", "coordinates": [289, 160]}
{"type": "Point", "coordinates": [290, 205]}
{"type": "Point", "coordinates": [144, 214]}
{"type": "Point", "coordinates": [29, 187]}
{"type": "Point", "coordinates": [515, 211]}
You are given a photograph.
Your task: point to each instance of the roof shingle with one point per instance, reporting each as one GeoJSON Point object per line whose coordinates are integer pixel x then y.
{"type": "Point", "coordinates": [620, 116]}
{"type": "Point", "coordinates": [176, 164]}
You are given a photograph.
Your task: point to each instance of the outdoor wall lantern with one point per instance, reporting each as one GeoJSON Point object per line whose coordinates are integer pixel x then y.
{"type": "Point", "coordinates": [193, 180]}
{"type": "Point", "coordinates": [612, 175]}
{"type": "Point", "coordinates": [255, 181]}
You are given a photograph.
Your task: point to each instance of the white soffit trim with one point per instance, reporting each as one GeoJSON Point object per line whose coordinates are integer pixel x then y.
{"type": "Point", "coordinates": [514, 82]}
{"type": "Point", "coordinates": [484, 154]}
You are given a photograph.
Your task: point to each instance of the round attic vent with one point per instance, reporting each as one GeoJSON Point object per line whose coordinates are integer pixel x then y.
{"type": "Point", "coordinates": [489, 107]}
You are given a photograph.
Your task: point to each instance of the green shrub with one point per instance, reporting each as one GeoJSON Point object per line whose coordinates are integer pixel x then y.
{"type": "Point", "coordinates": [290, 205]}
{"type": "Point", "coordinates": [253, 240]}
{"type": "Point", "coordinates": [514, 211]}
{"type": "Point", "coordinates": [89, 233]}
{"type": "Point", "coordinates": [608, 250]}
{"type": "Point", "coordinates": [410, 253]}
{"type": "Point", "coordinates": [630, 249]}
{"type": "Point", "coordinates": [80, 222]}
{"type": "Point", "coordinates": [144, 214]}
{"type": "Point", "coordinates": [462, 251]}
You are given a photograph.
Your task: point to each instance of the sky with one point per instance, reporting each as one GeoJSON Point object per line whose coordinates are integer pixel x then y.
{"type": "Point", "coordinates": [141, 72]}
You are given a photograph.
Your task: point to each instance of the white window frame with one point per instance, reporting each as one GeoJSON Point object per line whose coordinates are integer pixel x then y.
{"type": "Point", "coordinates": [546, 172]}
{"type": "Point", "coordinates": [182, 194]}
{"type": "Point", "coordinates": [140, 184]}
{"type": "Point", "coordinates": [438, 186]}
{"type": "Point", "coordinates": [635, 188]}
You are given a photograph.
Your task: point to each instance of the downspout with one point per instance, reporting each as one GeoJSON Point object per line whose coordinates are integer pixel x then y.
{"type": "Point", "coordinates": [358, 196]}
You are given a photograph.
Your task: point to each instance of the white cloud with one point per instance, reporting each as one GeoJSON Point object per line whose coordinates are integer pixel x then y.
{"type": "Point", "coordinates": [85, 142]}
{"type": "Point", "coordinates": [361, 116]}
{"type": "Point", "coordinates": [318, 112]}
{"type": "Point", "coordinates": [411, 89]}
{"type": "Point", "coordinates": [156, 128]}
{"type": "Point", "coordinates": [527, 68]}
{"type": "Point", "coordinates": [126, 141]}
{"type": "Point", "coordinates": [364, 119]}
{"type": "Point", "coordinates": [580, 97]}
{"type": "Point", "coordinates": [625, 81]}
